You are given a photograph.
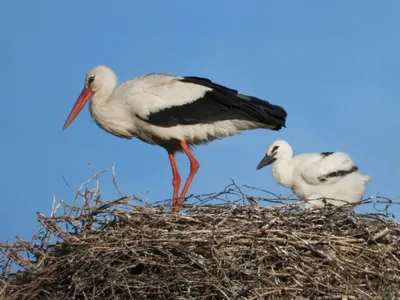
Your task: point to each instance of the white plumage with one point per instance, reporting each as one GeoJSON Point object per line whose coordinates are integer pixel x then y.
{"type": "Point", "coordinates": [173, 112]}
{"type": "Point", "coordinates": [328, 177]}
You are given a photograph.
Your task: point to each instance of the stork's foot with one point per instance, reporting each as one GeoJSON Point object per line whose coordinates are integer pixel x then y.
{"type": "Point", "coordinates": [175, 206]}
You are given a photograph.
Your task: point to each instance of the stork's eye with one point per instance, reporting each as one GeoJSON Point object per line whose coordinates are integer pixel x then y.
{"type": "Point", "coordinates": [91, 79]}
{"type": "Point", "coordinates": [275, 149]}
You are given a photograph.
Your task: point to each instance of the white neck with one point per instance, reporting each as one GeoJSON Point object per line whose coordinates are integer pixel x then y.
{"type": "Point", "coordinates": [282, 171]}
{"type": "Point", "coordinates": [110, 115]}
{"type": "Point", "coordinates": [99, 103]}
{"type": "Point", "coordinates": [103, 94]}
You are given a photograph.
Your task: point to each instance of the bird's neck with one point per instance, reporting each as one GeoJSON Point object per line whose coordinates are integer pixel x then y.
{"type": "Point", "coordinates": [111, 114]}
{"type": "Point", "coordinates": [100, 103]}
{"type": "Point", "coordinates": [282, 171]}
{"type": "Point", "coordinates": [102, 96]}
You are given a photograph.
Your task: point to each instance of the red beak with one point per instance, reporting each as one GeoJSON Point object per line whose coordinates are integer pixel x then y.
{"type": "Point", "coordinates": [84, 97]}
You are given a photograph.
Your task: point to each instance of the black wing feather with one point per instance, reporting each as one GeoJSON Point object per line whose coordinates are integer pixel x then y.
{"type": "Point", "coordinates": [325, 154]}
{"type": "Point", "coordinates": [219, 104]}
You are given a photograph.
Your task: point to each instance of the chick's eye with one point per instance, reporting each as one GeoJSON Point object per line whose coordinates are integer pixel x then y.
{"type": "Point", "coordinates": [91, 79]}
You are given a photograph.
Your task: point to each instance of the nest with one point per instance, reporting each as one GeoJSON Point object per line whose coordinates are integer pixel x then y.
{"type": "Point", "coordinates": [218, 247]}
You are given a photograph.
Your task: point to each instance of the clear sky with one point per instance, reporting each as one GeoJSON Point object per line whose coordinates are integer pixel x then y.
{"type": "Point", "coordinates": [333, 65]}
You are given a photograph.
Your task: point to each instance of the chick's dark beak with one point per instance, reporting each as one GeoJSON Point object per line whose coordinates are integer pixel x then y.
{"type": "Point", "coordinates": [267, 160]}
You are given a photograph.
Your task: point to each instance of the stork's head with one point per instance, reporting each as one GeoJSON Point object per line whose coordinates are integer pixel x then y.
{"type": "Point", "coordinates": [278, 150]}
{"type": "Point", "coordinates": [97, 79]}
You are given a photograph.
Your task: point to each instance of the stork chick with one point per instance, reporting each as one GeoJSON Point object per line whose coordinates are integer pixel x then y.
{"type": "Point", "coordinates": [317, 178]}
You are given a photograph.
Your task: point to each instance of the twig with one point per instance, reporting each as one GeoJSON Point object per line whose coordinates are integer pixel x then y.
{"type": "Point", "coordinates": [114, 178]}
{"type": "Point", "coordinates": [380, 234]}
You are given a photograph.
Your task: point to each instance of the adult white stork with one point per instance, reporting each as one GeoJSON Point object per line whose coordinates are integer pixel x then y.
{"type": "Point", "coordinates": [172, 112]}
{"type": "Point", "coordinates": [318, 178]}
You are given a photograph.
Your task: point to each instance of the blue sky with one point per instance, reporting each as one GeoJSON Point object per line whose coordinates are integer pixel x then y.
{"type": "Point", "coordinates": [333, 65]}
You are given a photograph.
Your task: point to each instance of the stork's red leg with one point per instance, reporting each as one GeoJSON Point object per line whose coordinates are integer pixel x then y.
{"type": "Point", "coordinates": [194, 166]}
{"type": "Point", "coordinates": [176, 181]}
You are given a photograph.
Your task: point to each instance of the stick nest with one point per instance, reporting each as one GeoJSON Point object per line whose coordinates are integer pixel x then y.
{"type": "Point", "coordinates": [218, 247]}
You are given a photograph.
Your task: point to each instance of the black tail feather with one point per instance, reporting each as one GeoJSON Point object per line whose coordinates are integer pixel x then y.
{"type": "Point", "coordinates": [256, 109]}
{"type": "Point", "coordinates": [263, 111]}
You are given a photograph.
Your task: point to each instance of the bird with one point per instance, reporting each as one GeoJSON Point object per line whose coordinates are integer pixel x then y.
{"type": "Point", "coordinates": [177, 113]}
{"type": "Point", "coordinates": [319, 179]}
